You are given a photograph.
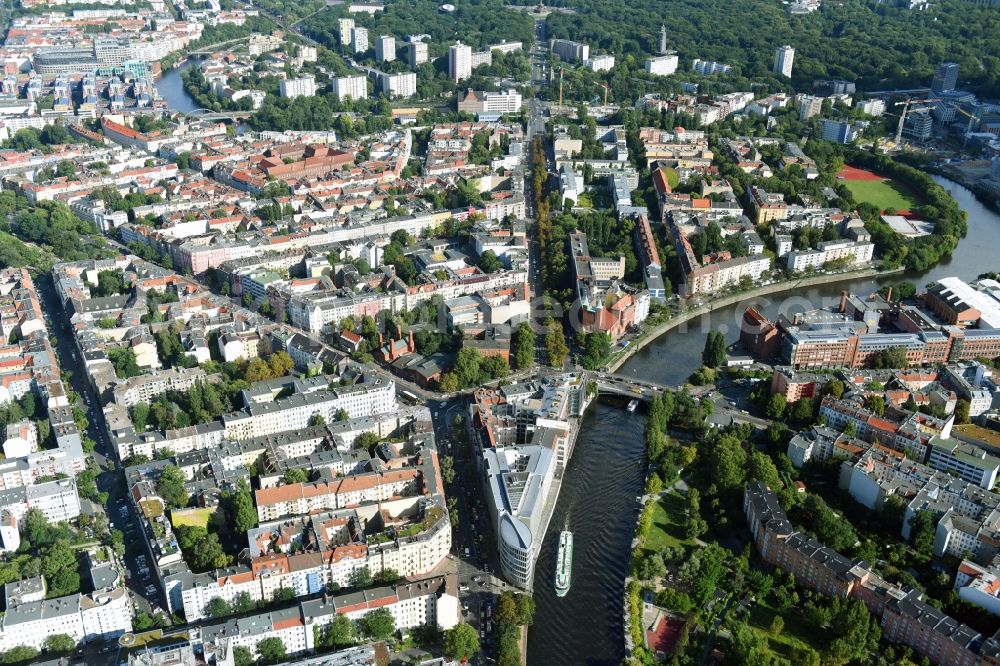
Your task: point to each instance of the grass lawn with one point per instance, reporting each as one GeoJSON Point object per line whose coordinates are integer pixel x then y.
{"type": "Point", "coordinates": [669, 516]}
{"type": "Point", "coordinates": [881, 193]}
{"type": "Point", "coordinates": [991, 437]}
{"type": "Point", "coordinates": [797, 632]}
{"type": "Point", "coordinates": [192, 517]}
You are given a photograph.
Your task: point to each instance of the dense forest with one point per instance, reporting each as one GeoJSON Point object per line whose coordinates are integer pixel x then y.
{"type": "Point", "coordinates": [878, 45]}
{"type": "Point", "coordinates": [477, 23]}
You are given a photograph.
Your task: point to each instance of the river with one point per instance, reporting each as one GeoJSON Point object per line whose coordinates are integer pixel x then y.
{"type": "Point", "coordinates": [171, 88]}
{"type": "Point", "coordinates": [597, 501]}
{"type": "Point", "coordinates": [606, 471]}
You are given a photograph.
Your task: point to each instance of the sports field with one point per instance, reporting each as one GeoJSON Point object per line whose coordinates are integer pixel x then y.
{"type": "Point", "coordinates": [874, 189]}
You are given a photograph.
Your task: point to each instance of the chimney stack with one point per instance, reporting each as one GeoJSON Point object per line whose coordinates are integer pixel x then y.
{"type": "Point", "coordinates": [888, 296]}
{"type": "Point", "coordinates": [411, 346]}
{"type": "Point", "coordinates": [843, 300]}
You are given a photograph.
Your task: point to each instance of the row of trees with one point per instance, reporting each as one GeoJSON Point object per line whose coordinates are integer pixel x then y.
{"type": "Point", "coordinates": [513, 612]}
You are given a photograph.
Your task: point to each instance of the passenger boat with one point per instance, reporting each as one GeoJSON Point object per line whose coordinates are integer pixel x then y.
{"type": "Point", "coordinates": [564, 563]}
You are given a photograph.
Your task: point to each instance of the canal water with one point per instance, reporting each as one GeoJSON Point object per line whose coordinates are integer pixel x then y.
{"type": "Point", "coordinates": [606, 471]}
{"type": "Point", "coordinates": [674, 356]}
{"type": "Point", "coordinates": [171, 88]}
{"type": "Point", "coordinates": [597, 502]}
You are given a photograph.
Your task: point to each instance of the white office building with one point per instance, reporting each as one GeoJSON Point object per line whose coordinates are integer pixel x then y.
{"type": "Point", "coordinates": [300, 87]}
{"type": "Point", "coordinates": [664, 65]}
{"type": "Point", "coordinates": [783, 59]}
{"type": "Point", "coordinates": [506, 101]}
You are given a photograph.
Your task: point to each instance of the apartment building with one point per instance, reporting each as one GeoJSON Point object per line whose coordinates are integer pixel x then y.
{"type": "Point", "coordinates": [375, 395]}
{"type": "Point", "coordinates": [784, 57]}
{"type": "Point", "coordinates": [899, 429]}
{"type": "Point", "coordinates": [664, 65]}
{"type": "Point", "coordinates": [413, 604]}
{"type": "Point", "coordinates": [314, 552]}
{"type": "Point", "coordinates": [820, 443]}
{"type": "Point", "coordinates": [304, 86]}
{"type": "Point", "coordinates": [416, 53]}
{"type": "Point", "coordinates": [385, 48]}
{"type": "Point", "coordinates": [767, 206]}
{"type": "Point", "coordinates": [600, 63]}
{"type": "Point", "coordinates": [459, 62]}
{"type": "Point", "coordinates": [713, 273]}
{"type": "Point", "coordinates": [57, 500]}
{"type": "Point", "coordinates": [359, 40]}
{"type": "Point", "coordinates": [399, 85]}
{"type": "Point", "coordinates": [968, 380]}
{"type": "Point", "coordinates": [840, 131]}
{"type": "Point", "coordinates": [979, 584]}
{"type": "Point", "coordinates": [346, 27]}
{"type": "Point", "coordinates": [144, 388]}
{"type": "Point", "coordinates": [849, 252]}
{"type": "Point", "coordinates": [104, 614]}
{"type": "Point", "coordinates": [570, 51]}
{"type": "Point", "coordinates": [905, 618]}
{"type": "Point", "coordinates": [710, 67]}
{"type": "Point", "coordinates": [350, 87]}
{"type": "Point", "coordinates": [303, 498]}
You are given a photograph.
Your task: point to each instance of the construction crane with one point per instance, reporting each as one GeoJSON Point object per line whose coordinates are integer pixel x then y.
{"type": "Point", "coordinates": [902, 116]}
{"type": "Point", "coordinates": [560, 85]}
{"type": "Point", "coordinates": [605, 86]}
{"type": "Point", "coordinates": [972, 118]}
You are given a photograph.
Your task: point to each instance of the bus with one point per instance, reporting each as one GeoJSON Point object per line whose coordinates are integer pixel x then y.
{"type": "Point", "coordinates": [409, 397]}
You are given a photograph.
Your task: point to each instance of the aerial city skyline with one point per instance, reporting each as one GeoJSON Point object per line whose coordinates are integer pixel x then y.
{"type": "Point", "coordinates": [500, 333]}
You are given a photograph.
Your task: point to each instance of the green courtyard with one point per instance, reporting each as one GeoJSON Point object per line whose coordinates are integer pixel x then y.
{"type": "Point", "coordinates": [669, 518]}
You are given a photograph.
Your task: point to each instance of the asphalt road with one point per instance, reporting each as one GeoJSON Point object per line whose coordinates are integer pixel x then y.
{"type": "Point", "coordinates": [472, 557]}
{"type": "Point", "coordinates": [118, 510]}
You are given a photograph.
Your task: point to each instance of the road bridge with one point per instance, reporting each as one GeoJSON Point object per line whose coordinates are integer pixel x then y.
{"type": "Point", "coordinates": [628, 387]}
{"type": "Point", "coordinates": [209, 114]}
